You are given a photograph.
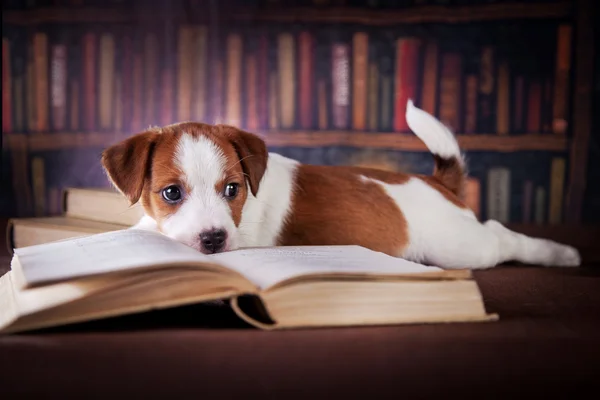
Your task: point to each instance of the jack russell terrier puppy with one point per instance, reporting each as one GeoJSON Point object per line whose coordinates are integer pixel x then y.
{"type": "Point", "coordinates": [216, 188]}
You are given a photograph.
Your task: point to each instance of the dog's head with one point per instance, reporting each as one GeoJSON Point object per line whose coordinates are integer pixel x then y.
{"type": "Point", "coordinates": [193, 179]}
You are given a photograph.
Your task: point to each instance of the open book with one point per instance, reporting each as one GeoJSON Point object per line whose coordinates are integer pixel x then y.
{"type": "Point", "coordinates": [130, 271]}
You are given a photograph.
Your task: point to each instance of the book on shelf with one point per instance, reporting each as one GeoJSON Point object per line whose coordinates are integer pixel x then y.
{"type": "Point", "coordinates": [132, 271]}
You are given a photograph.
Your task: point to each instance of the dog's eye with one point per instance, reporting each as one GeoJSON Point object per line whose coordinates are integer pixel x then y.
{"type": "Point", "coordinates": [172, 194]}
{"type": "Point", "coordinates": [231, 190]}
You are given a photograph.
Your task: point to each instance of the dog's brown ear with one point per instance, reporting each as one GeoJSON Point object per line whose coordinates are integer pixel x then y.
{"type": "Point", "coordinates": [127, 163]}
{"type": "Point", "coordinates": [252, 152]}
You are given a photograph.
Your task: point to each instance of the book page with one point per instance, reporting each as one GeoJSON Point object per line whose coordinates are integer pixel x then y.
{"type": "Point", "coordinates": [102, 253]}
{"type": "Point", "coordinates": [266, 267]}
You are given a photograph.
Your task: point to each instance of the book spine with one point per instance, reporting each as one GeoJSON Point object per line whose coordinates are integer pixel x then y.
{"type": "Point", "coordinates": [6, 86]}
{"type": "Point", "coordinates": [138, 85]}
{"type": "Point", "coordinates": [340, 75]}
{"type": "Point", "coordinates": [151, 77]}
{"type": "Point", "coordinates": [360, 60]}
{"type": "Point", "coordinates": [471, 104]}
{"type": "Point", "coordinates": [287, 79]}
{"type": "Point", "coordinates": [487, 86]}
{"type": "Point", "coordinates": [127, 58]}
{"type": "Point", "coordinates": [233, 82]}
{"type": "Point", "coordinates": [472, 195]}
{"type": "Point", "coordinates": [527, 201]}
{"type": "Point", "coordinates": [498, 196]}
{"type": "Point", "coordinates": [18, 86]}
{"type": "Point", "coordinates": [430, 78]}
{"type": "Point", "coordinates": [503, 100]}
{"type": "Point", "coordinates": [168, 100]}
{"type": "Point", "coordinates": [185, 69]}
{"type": "Point", "coordinates": [251, 68]}
{"type": "Point", "coordinates": [107, 78]}
{"type": "Point", "coordinates": [450, 91]}
{"type": "Point", "coordinates": [89, 81]}
{"type": "Point", "coordinates": [561, 82]}
{"type": "Point", "coordinates": [540, 205]}
{"type": "Point", "coordinates": [58, 86]}
{"type": "Point", "coordinates": [200, 58]}
{"type": "Point", "coordinates": [534, 107]}
{"type": "Point", "coordinates": [373, 94]}
{"type": "Point", "coordinates": [30, 86]}
{"type": "Point", "coordinates": [407, 64]}
{"type": "Point", "coordinates": [519, 104]}
{"type": "Point", "coordinates": [306, 78]}
{"type": "Point", "coordinates": [40, 45]}
{"type": "Point", "coordinates": [263, 88]}
{"type": "Point", "coordinates": [39, 185]}
{"type": "Point", "coordinates": [557, 181]}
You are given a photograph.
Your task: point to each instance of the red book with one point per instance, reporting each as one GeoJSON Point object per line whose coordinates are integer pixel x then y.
{"type": "Point", "coordinates": [262, 70]}
{"type": "Point", "coordinates": [89, 81]}
{"type": "Point", "coordinates": [534, 107]}
{"type": "Point", "coordinates": [6, 87]}
{"type": "Point", "coordinates": [407, 69]}
{"type": "Point", "coordinates": [519, 104]}
{"type": "Point", "coordinates": [340, 73]}
{"type": "Point", "coordinates": [42, 104]}
{"type": "Point", "coordinates": [306, 49]}
{"type": "Point", "coordinates": [450, 91]}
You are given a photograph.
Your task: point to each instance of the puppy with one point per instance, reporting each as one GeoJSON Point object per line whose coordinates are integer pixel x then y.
{"type": "Point", "coordinates": [216, 188]}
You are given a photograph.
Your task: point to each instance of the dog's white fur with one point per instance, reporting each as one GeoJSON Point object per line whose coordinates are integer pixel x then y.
{"type": "Point", "coordinates": [440, 233]}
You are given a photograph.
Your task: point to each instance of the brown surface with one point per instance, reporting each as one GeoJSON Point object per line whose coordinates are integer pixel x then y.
{"type": "Point", "coordinates": [545, 345]}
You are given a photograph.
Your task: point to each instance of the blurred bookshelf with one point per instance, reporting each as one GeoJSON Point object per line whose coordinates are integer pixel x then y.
{"type": "Point", "coordinates": [268, 41]}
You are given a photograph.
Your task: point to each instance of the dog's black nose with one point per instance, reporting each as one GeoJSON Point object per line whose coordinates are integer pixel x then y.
{"type": "Point", "coordinates": [213, 241]}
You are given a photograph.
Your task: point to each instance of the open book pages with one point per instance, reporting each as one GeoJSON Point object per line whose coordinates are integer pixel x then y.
{"type": "Point", "coordinates": [131, 249]}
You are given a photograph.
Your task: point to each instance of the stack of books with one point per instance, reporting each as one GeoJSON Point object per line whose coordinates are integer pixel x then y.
{"type": "Point", "coordinates": [85, 211]}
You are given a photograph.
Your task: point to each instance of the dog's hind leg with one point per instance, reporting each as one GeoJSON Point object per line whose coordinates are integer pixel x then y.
{"type": "Point", "coordinates": [462, 242]}
{"type": "Point", "coordinates": [515, 246]}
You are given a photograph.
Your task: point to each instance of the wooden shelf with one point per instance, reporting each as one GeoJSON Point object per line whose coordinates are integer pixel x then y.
{"type": "Point", "coordinates": [375, 17]}
{"type": "Point", "coordinates": [67, 15]}
{"type": "Point", "coordinates": [413, 15]}
{"type": "Point", "coordinates": [392, 141]}
{"type": "Point", "coordinates": [58, 141]}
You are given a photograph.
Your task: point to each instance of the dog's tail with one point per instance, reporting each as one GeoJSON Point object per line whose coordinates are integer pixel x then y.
{"type": "Point", "coordinates": [450, 166]}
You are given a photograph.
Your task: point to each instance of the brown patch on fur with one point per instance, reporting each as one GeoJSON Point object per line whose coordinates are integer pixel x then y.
{"type": "Point", "coordinates": [332, 205]}
{"type": "Point", "coordinates": [398, 178]}
{"type": "Point", "coordinates": [450, 173]}
{"type": "Point", "coordinates": [440, 187]}
{"type": "Point", "coordinates": [143, 165]}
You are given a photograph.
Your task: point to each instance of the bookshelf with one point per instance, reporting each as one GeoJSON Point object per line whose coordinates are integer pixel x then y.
{"type": "Point", "coordinates": [373, 140]}
{"type": "Point", "coordinates": [412, 15]}
{"type": "Point", "coordinates": [573, 145]}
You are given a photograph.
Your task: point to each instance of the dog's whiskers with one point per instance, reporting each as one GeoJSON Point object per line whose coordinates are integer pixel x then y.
{"type": "Point", "coordinates": [239, 161]}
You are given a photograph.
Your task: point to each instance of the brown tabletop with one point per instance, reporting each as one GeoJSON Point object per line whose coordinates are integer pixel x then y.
{"type": "Point", "coordinates": [546, 344]}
